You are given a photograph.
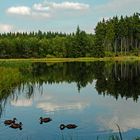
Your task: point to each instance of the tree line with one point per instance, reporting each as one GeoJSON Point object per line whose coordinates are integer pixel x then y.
{"type": "Point", "coordinates": [112, 37]}
{"type": "Point", "coordinates": [50, 44]}
{"type": "Point", "coordinates": [119, 35]}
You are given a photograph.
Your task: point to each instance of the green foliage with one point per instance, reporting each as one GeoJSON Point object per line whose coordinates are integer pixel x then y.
{"type": "Point", "coordinates": [98, 51]}
{"type": "Point", "coordinates": [119, 35]}
{"type": "Point", "coordinates": [39, 45]}
{"type": "Point", "coordinates": [109, 54]}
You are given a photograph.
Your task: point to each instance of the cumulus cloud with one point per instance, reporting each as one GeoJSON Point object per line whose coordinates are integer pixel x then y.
{"type": "Point", "coordinates": [5, 27]}
{"type": "Point", "coordinates": [61, 6]}
{"type": "Point", "coordinates": [19, 10]}
{"type": "Point", "coordinates": [46, 9]}
{"type": "Point", "coordinates": [27, 11]}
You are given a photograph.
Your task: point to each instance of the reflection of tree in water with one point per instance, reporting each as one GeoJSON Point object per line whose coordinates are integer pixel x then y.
{"type": "Point", "coordinates": [123, 80]}
{"type": "Point", "coordinates": [39, 73]}
{"type": "Point", "coordinates": [112, 78]}
{"type": "Point", "coordinates": [13, 93]}
{"type": "Point", "coordinates": [81, 73]}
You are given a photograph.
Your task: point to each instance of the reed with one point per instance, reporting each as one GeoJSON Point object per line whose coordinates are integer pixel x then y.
{"type": "Point", "coordinates": [120, 133]}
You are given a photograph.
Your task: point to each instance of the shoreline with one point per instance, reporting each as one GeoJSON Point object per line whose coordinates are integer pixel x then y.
{"type": "Point", "coordinates": [81, 59]}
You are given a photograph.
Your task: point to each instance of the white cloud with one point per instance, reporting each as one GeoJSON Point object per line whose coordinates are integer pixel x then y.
{"type": "Point", "coordinates": [70, 5]}
{"type": "Point", "coordinates": [19, 10]}
{"type": "Point", "coordinates": [27, 11]}
{"type": "Point", "coordinates": [40, 7]}
{"type": "Point", "coordinates": [46, 9]}
{"type": "Point", "coordinates": [5, 27]}
{"type": "Point", "coordinates": [40, 15]}
{"type": "Point", "coordinates": [61, 6]}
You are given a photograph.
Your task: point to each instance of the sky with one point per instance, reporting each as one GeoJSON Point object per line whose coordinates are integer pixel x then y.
{"type": "Point", "coordinates": [60, 15]}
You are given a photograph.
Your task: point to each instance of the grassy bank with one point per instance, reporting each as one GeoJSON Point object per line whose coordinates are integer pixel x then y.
{"type": "Point", "coordinates": [83, 59]}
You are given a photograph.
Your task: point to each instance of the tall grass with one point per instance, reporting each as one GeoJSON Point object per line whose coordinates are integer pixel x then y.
{"type": "Point", "coordinates": [8, 78]}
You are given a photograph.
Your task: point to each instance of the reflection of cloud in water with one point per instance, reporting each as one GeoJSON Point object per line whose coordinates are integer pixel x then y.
{"type": "Point", "coordinates": [125, 124]}
{"type": "Point", "coordinates": [126, 115]}
{"type": "Point", "coordinates": [50, 102]}
{"type": "Point", "coordinates": [50, 107]}
{"type": "Point", "coordinates": [22, 103]}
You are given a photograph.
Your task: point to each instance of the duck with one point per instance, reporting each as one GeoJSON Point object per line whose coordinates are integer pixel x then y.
{"type": "Point", "coordinates": [9, 122]}
{"type": "Point", "coordinates": [62, 126]}
{"type": "Point", "coordinates": [16, 125]}
{"type": "Point", "coordinates": [45, 120]}
{"type": "Point", "coordinates": [69, 126]}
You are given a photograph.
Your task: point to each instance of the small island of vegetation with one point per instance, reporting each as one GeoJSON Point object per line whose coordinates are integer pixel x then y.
{"type": "Point", "coordinates": [113, 37]}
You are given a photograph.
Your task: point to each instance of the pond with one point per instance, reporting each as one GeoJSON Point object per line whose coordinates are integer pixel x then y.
{"type": "Point", "coordinates": [99, 97]}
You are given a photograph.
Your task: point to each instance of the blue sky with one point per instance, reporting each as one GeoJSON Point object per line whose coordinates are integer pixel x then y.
{"type": "Point", "coordinates": [60, 15]}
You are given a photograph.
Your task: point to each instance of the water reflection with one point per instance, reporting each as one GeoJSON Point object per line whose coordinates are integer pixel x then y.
{"type": "Point", "coordinates": [69, 93]}
{"type": "Point", "coordinates": [123, 80]}
{"type": "Point", "coordinates": [22, 102]}
{"type": "Point", "coordinates": [116, 79]}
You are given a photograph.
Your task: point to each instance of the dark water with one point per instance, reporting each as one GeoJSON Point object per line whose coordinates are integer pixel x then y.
{"type": "Point", "coordinates": [95, 96]}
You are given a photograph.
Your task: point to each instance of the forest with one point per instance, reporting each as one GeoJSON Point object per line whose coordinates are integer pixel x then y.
{"type": "Point", "coordinates": [112, 37]}
{"type": "Point", "coordinates": [119, 35]}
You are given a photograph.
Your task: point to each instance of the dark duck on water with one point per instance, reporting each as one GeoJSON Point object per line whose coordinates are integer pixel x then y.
{"type": "Point", "coordinates": [69, 126]}
{"type": "Point", "coordinates": [9, 122]}
{"type": "Point", "coordinates": [45, 120]}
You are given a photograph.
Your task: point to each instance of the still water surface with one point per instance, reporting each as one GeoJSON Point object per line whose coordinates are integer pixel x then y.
{"type": "Point", "coordinates": [95, 96]}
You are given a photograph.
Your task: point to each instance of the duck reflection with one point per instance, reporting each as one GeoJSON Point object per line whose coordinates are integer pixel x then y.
{"type": "Point", "coordinates": [16, 125]}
